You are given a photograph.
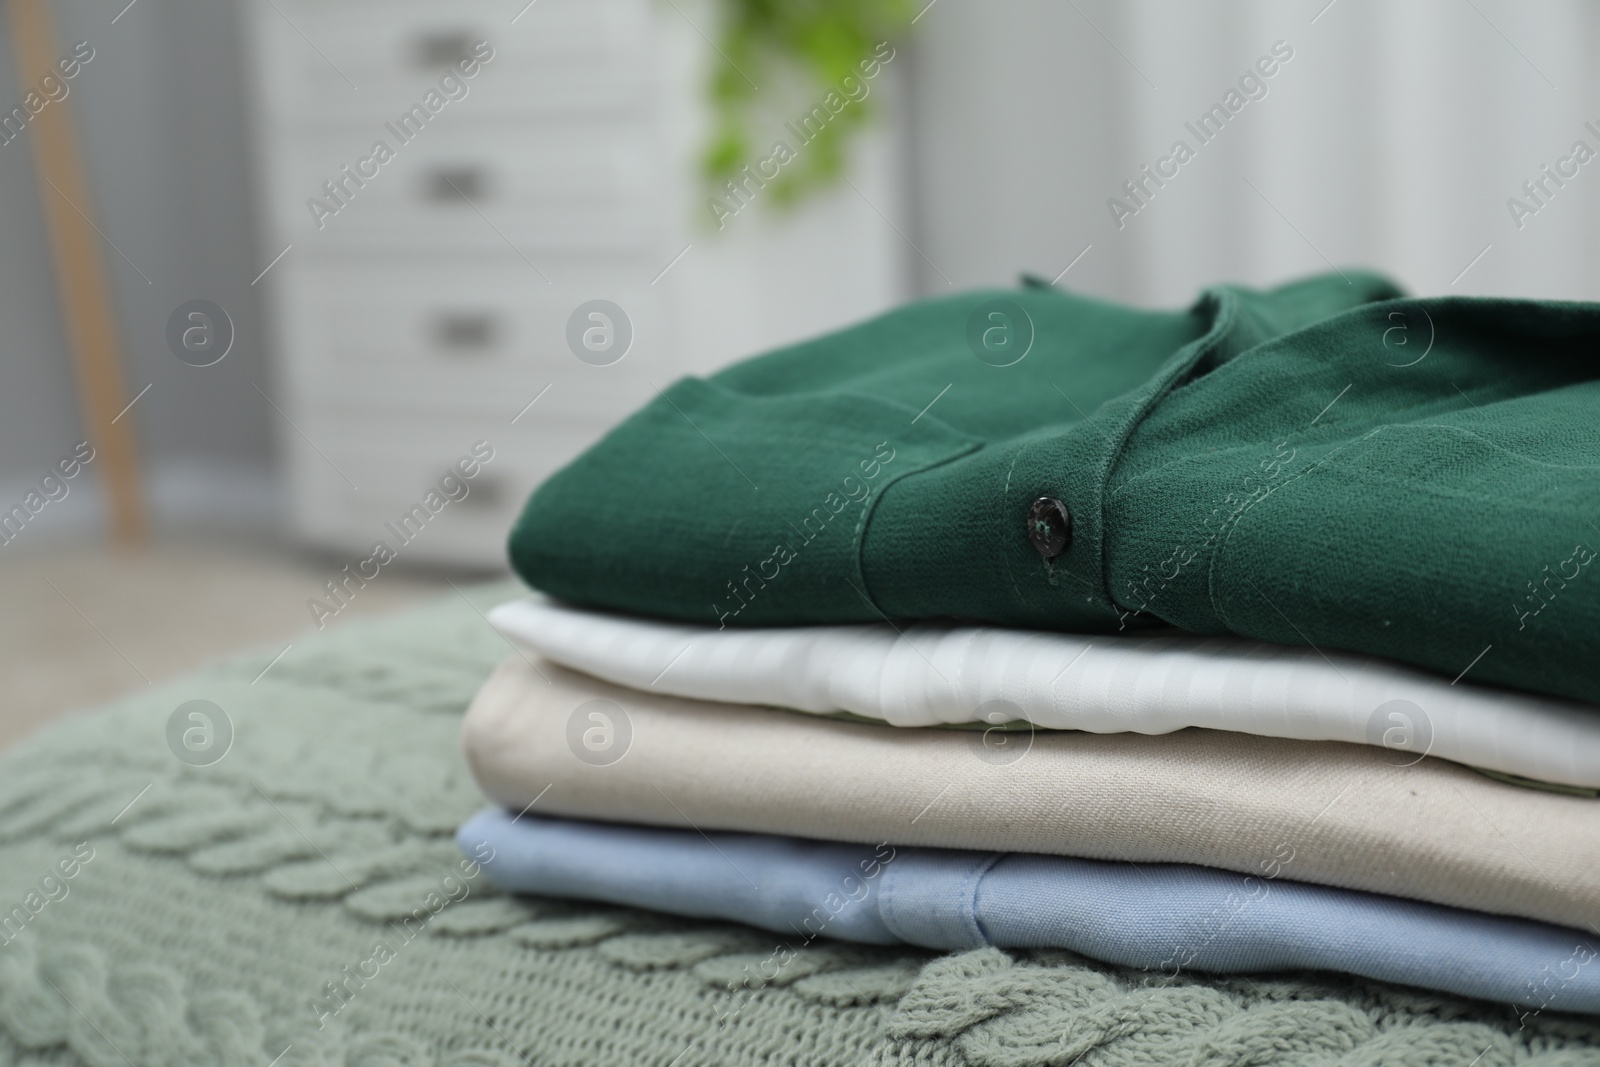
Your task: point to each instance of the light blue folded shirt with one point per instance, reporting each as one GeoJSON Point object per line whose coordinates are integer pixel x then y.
{"type": "Point", "coordinates": [1160, 916]}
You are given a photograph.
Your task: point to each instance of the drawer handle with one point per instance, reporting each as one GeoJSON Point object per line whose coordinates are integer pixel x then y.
{"type": "Point", "coordinates": [458, 330]}
{"type": "Point", "coordinates": [487, 493]}
{"type": "Point", "coordinates": [453, 183]}
{"type": "Point", "coordinates": [442, 48]}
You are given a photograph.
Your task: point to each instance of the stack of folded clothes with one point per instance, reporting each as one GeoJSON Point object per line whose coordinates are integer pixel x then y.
{"type": "Point", "coordinates": [1246, 639]}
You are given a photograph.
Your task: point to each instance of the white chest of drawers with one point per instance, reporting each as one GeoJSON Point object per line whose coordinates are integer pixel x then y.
{"type": "Point", "coordinates": [425, 304]}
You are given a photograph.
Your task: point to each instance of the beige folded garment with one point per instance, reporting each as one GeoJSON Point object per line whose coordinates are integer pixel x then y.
{"type": "Point", "coordinates": [1316, 811]}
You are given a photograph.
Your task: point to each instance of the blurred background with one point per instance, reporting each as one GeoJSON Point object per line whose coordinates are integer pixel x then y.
{"type": "Point", "coordinates": [279, 340]}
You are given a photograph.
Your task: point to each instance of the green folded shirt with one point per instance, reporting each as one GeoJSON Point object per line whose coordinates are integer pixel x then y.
{"type": "Point", "coordinates": [1326, 463]}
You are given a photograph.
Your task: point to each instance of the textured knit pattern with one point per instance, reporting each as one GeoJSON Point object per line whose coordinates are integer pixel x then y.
{"type": "Point", "coordinates": [221, 900]}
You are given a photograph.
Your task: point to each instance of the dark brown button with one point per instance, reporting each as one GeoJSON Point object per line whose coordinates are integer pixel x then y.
{"type": "Point", "coordinates": [1049, 526]}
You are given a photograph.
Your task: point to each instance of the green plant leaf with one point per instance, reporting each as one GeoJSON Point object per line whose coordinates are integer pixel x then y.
{"type": "Point", "coordinates": [772, 45]}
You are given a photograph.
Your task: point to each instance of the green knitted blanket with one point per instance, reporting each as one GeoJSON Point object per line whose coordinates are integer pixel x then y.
{"type": "Point", "coordinates": [299, 901]}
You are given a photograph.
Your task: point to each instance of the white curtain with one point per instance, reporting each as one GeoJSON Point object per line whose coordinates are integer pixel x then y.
{"type": "Point", "coordinates": [1393, 138]}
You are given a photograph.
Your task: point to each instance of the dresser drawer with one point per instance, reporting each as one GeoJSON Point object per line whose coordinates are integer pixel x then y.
{"type": "Point", "coordinates": [357, 60]}
{"type": "Point", "coordinates": [536, 186]}
{"type": "Point", "coordinates": [362, 475]}
{"type": "Point", "coordinates": [443, 333]}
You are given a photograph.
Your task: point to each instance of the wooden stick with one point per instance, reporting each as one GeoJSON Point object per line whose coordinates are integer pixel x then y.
{"type": "Point", "coordinates": [80, 274]}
